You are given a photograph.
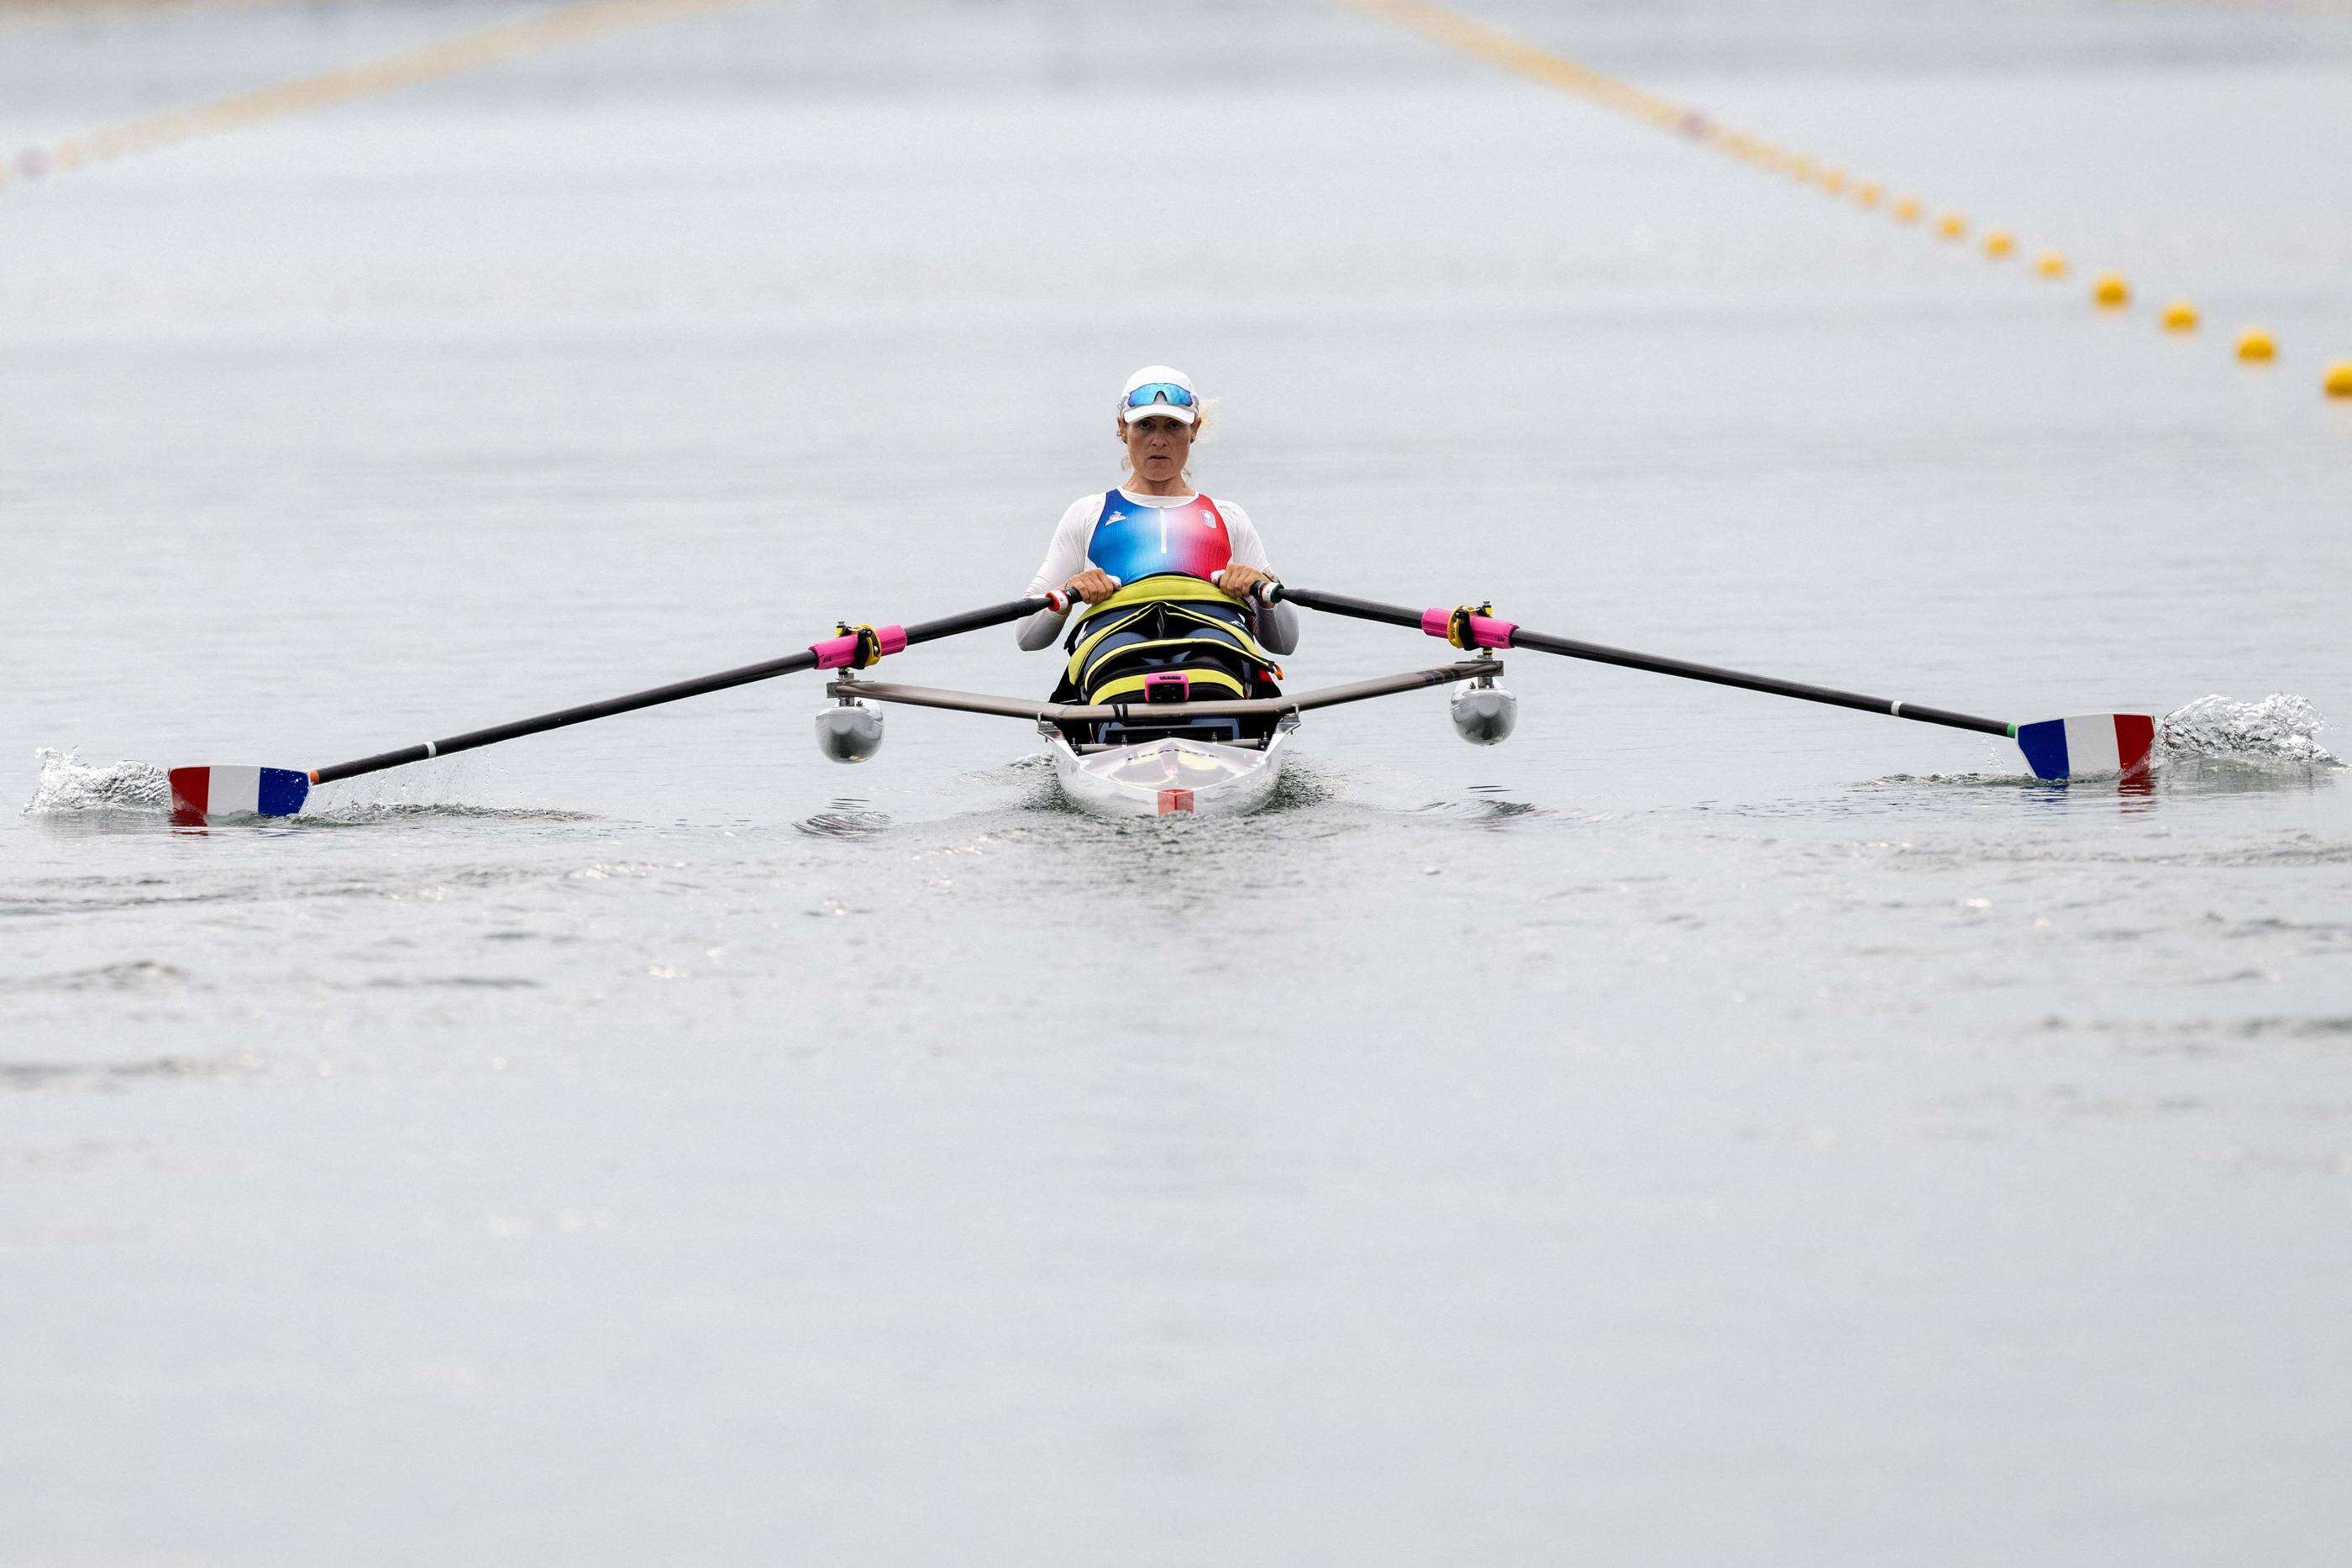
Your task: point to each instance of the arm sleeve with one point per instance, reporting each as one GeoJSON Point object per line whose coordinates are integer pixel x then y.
{"type": "Point", "coordinates": [1037, 632]}
{"type": "Point", "coordinates": [1277, 625]}
{"type": "Point", "coordinates": [1064, 558]}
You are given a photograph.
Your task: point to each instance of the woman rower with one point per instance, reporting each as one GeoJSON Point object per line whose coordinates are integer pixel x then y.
{"type": "Point", "coordinates": [1155, 524]}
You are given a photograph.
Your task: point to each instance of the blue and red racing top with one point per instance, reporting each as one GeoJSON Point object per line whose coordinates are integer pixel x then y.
{"type": "Point", "coordinates": [1133, 542]}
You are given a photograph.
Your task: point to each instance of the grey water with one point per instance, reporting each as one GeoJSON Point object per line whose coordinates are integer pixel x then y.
{"type": "Point", "coordinates": [1705, 1128]}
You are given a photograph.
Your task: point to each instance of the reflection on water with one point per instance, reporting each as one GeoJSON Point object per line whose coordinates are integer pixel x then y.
{"type": "Point", "coordinates": [847, 819]}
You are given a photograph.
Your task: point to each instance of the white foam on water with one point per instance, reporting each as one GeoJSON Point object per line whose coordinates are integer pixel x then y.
{"type": "Point", "coordinates": [2280, 728]}
{"type": "Point", "coordinates": [70, 786]}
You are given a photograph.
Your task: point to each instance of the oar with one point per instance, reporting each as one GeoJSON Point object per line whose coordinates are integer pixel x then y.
{"type": "Point", "coordinates": [2055, 748]}
{"type": "Point", "coordinates": [209, 793]}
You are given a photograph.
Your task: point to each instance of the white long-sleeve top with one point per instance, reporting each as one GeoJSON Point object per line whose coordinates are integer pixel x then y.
{"type": "Point", "coordinates": [1065, 557]}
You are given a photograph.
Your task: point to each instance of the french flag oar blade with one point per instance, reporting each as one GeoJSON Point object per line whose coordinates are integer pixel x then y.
{"type": "Point", "coordinates": [2082, 747]}
{"type": "Point", "coordinates": [2089, 746]}
{"type": "Point", "coordinates": [200, 795]}
{"type": "Point", "coordinates": [203, 795]}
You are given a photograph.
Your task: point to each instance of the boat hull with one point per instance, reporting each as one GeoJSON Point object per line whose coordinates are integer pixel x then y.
{"type": "Point", "coordinates": [1171, 777]}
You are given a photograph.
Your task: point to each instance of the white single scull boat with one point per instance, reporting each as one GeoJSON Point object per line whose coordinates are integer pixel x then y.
{"type": "Point", "coordinates": [1148, 772]}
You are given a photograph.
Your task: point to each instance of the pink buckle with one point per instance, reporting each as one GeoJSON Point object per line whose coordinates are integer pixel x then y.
{"type": "Point", "coordinates": [1167, 686]}
{"type": "Point", "coordinates": [1485, 631]}
{"type": "Point", "coordinates": [841, 653]}
{"type": "Point", "coordinates": [1489, 632]}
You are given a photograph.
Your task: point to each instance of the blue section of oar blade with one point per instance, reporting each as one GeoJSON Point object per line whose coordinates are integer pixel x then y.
{"type": "Point", "coordinates": [283, 790]}
{"type": "Point", "coordinates": [2044, 745]}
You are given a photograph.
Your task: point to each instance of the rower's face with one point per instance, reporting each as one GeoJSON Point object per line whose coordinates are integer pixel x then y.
{"type": "Point", "coordinates": [1157, 447]}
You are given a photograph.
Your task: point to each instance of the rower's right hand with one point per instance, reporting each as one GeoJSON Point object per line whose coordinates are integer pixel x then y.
{"type": "Point", "coordinates": [1092, 585]}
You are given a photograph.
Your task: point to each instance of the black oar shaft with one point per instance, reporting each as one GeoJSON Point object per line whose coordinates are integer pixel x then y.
{"type": "Point", "coordinates": [973, 620]}
{"type": "Point", "coordinates": [1599, 654]}
{"type": "Point", "coordinates": [1361, 608]}
{"type": "Point", "coordinates": [562, 717]}
{"type": "Point", "coordinates": [806, 658]}
{"type": "Point", "coordinates": [1569, 647]}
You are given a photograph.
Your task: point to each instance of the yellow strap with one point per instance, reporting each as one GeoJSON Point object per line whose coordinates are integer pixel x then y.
{"type": "Point", "coordinates": [1129, 685]}
{"type": "Point", "coordinates": [1111, 625]}
{"type": "Point", "coordinates": [1250, 644]}
{"type": "Point", "coordinates": [1139, 597]}
{"type": "Point", "coordinates": [1153, 646]}
{"type": "Point", "coordinates": [1090, 653]}
{"type": "Point", "coordinates": [1161, 589]}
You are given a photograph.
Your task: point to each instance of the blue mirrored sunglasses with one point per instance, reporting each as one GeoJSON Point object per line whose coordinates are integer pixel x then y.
{"type": "Point", "coordinates": [1150, 393]}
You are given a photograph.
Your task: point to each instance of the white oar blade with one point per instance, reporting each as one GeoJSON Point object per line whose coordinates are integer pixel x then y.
{"type": "Point", "coordinates": [2091, 746]}
{"type": "Point", "coordinates": [202, 795]}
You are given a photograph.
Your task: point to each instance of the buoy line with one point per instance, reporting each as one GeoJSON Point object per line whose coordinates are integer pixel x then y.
{"type": "Point", "coordinates": [65, 13]}
{"type": "Point", "coordinates": [2110, 291]}
{"type": "Point", "coordinates": [428, 62]}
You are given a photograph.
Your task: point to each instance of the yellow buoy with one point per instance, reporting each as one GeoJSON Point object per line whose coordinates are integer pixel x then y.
{"type": "Point", "coordinates": [1951, 225]}
{"type": "Point", "coordinates": [2179, 316]}
{"type": "Point", "coordinates": [2337, 381]}
{"type": "Point", "coordinates": [2050, 264]}
{"type": "Point", "coordinates": [2111, 292]}
{"type": "Point", "coordinates": [2255, 344]}
{"type": "Point", "coordinates": [1834, 181]}
{"type": "Point", "coordinates": [1906, 209]}
{"type": "Point", "coordinates": [1867, 193]}
{"type": "Point", "coordinates": [1998, 243]}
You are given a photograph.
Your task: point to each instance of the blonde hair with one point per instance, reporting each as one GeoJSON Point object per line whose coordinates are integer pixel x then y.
{"type": "Point", "coordinates": [1202, 409]}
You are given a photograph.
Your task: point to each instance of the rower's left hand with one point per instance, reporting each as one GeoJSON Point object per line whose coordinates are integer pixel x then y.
{"type": "Point", "coordinates": [1238, 581]}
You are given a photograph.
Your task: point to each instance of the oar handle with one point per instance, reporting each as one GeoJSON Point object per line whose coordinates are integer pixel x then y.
{"type": "Point", "coordinates": [858, 647]}
{"type": "Point", "coordinates": [1467, 628]}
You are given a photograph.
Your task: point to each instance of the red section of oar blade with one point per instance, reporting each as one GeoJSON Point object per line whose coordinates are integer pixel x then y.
{"type": "Point", "coordinates": [192, 791]}
{"type": "Point", "coordinates": [2134, 742]}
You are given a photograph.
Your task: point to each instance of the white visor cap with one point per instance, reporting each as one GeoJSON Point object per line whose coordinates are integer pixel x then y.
{"type": "Point", "coordinates": [1158, 402]}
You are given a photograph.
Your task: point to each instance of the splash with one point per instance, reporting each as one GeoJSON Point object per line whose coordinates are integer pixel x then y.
{"type": "Point", "coordinates": [2282, 728]}
{"type": "Point", "coordinates": [70, 786]}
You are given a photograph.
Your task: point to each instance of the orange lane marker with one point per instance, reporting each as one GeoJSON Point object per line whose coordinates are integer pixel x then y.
{"type": "Point", "coordinates": [467, 51]}
{"type": "Point", "coordinates": [2110, 292]}
{"type": "Point", "coordinates": [15, 17]}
